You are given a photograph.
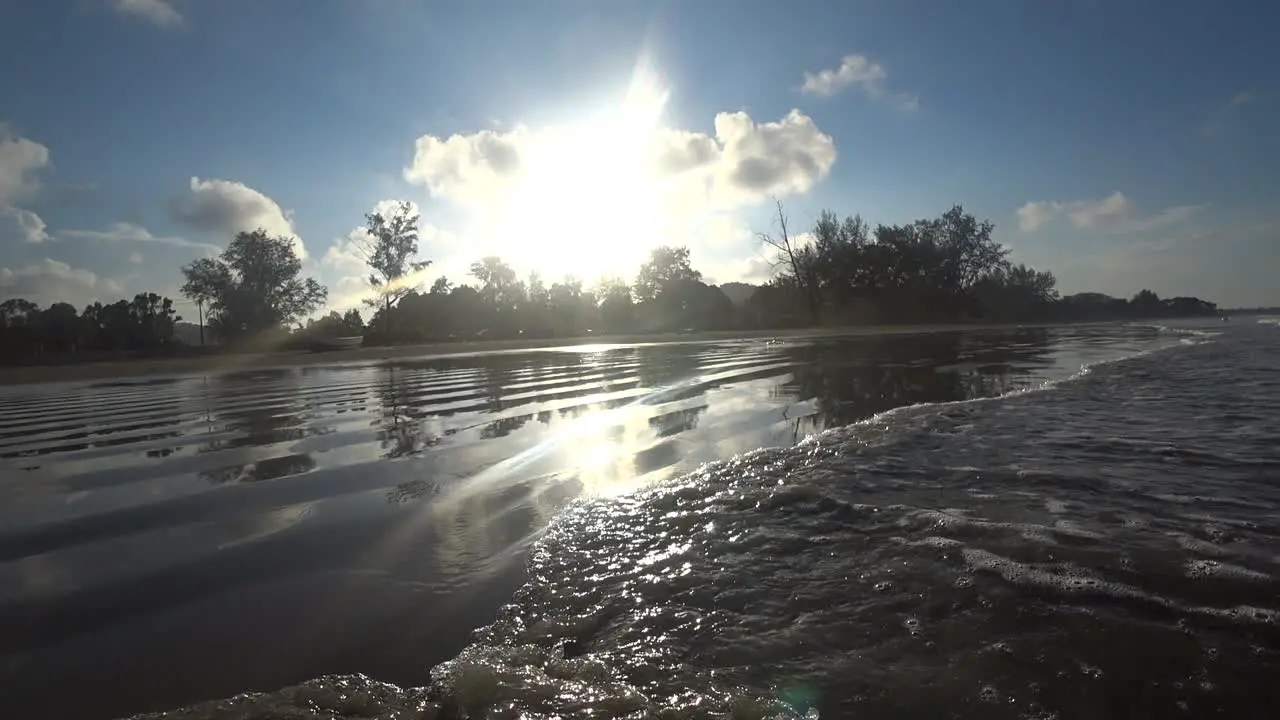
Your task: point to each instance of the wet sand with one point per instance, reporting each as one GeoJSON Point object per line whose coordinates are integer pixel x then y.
{"type": "Point", "coordinates": [243, 361]}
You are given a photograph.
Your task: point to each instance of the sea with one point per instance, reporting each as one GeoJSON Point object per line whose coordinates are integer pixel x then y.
{"type": "Point", "coordinates": [1031, 523]}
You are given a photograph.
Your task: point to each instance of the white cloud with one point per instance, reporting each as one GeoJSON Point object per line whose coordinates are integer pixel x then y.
{"type": "Point", "coordinates": [470, 169]}
{"type": "Point", "coordinates": [129, 232]}
{"type": "Point", "coordinates": [857, 71]}
{"type": "Point", "coordinates": [680, 151]}
{"type": "Point", "coordinates": [345, 255]}
{"type": "Point", "coordinates": [609, 191]}
{"type": "Point", "coordinates": [347, 293]}
{"type": "Point", "coordinates": [157, 12]}
{"type": "Point", "coordinates": [771, 159]}
{"type": "Point", "coordinates": [743, 162]}
{"type": "Point", "coordinates": [227, 207]}
{"type": "Point", "coordinates": [53, 281]}
{"type": "Point", "coordinates": [755, 269]}
{"type": "Point", "coordinates": [135, 258]}
{"type": "Point", "coordinates": [724, 232]}
{"type": "Point", "coordinates": [1033, 215]}
{"type": "Point", "coordinates": [21, 225]}
{"type": "Point", "coordinates": [20, 159]}
{"type": "Point", "coordinates": [1115, 213]}
{"type": "Point", "coordinates": [386, 207]}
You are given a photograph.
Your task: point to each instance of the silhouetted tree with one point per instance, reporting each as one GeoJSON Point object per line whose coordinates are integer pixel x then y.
{"type": "Point", "coordinates": [802, 263]}
{"type": "Point", "coordinates": [389, 245]}
{"type": "Point", "coordinates": [59, 331]}
{"type": "Point", "coordinates": [60, 328]}
{"type": "Point", "coordinates": [1146, 300]}
{"type": "Point", "coordinates": [666, 264]}
{"type": "Point", "coordinates": [501, 291]}
{"type": "Point", "coordinates": [335, 325]}
{"type": "Point", "coordinates": [352, 323]}
{"type": "Point", "coordinates": [617, 311]}
{"type": "Point", "coordinates": [943, 269]}
{"type": "Point", "coordinates": [17, 312]}
{"type": "Point", "coordinates": [254, 286]}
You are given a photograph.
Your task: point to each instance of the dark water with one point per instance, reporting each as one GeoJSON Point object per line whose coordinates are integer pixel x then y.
{"type": "Point", "coordinates": [1104, 544]}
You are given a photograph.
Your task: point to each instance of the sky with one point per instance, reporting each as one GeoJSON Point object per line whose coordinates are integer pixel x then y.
{"type": "Point", "coordinates": [1121, 145]}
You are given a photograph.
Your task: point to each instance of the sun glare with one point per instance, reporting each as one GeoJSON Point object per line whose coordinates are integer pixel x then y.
{"type": "Point", "coordinates": [589, 200]}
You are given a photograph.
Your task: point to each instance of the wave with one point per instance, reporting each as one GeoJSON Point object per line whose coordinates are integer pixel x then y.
{"type": "Point", "coordinates": [778, 580]}
{"type": "Point", "coordinates": [950, 555]}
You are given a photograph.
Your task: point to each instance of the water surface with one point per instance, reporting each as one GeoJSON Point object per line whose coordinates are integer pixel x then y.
{"type": "Point", "coordinates": [254, 530]}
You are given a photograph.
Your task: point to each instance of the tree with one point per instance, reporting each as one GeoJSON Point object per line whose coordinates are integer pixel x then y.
{"type": "Point", "coordinates": [571, 308]}
{"type": "Point", "coordinates": [335, 325]}
{"type": "Point", "coordinates": [205, 278]}
{"type": "Point", "coordinates": [118, 325]}
{"type": "Point", "coordinates": [441, 286]}
{"type": "Point", "coordinates": [617, 312]}
{"type": "Point", "coordinates": [800, 262]}
{"type": "Point", "coordinates": [666, 264]}
{"type": "Point", "coordinates": [612, 286]}
{"type": "Point", "coordinates": [1145, 299]}
{"type": "Point", "coordinates": [254, 286]}
{"type": "Point", "coordinates": [59, 326]}
{"type": "Point", "coordinates": [352, 323]}
{"type": "Point", "coordinates": [152, 318]}
{"type": "Point", "coordinates": [389, 245]}
{"type": "Point", "coordinates": [16, 312]}
{"type": "Point", "coordinates": [1016, 292]}
{"type": "Point", "coordinates": [497, 283]}
{"type": "Point", "coordinates": [694, 305]}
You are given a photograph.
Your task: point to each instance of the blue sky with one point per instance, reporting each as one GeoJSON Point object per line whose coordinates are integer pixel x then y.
{"type": "Point", "coordinates": [1122, 145]}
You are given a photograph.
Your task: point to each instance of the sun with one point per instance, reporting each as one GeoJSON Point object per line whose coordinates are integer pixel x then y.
{"type": "Point", "coordinates": [589, 202]}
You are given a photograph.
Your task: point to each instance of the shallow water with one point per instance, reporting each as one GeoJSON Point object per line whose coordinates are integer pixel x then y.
{"type": "Point", "coordinates": [1105, 547]}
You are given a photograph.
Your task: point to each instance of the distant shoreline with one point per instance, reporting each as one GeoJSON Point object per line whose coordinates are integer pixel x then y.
{"type": "Point", "coordinates": [231, 362]}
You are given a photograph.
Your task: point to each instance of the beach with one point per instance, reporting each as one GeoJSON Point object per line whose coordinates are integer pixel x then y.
{"type": "Point", "coordinates": [235, 361]}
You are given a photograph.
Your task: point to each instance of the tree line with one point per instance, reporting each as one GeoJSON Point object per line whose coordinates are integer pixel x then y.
{"type": "Point", "coordinates": [935, 270]}
{"type": "Point", "coordinates": [842, 271]}
{"type": "Point", "coordinates": [27, 331]}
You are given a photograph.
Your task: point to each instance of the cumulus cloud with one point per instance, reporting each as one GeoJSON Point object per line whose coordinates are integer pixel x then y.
{"type": "Point", "coordinates": [53, 281]}
{"type": "Point", "coordinates": [157, 12]}
{"type": "Point", "coordinates": [743, 162]}
{"type": "Point", "coordinates": [227, 207]}
{"type": "Point", "coordinates": [469, 168]}
{"type": "Point", "coordinates": [21, 225]}
{"type": "Point", "coordinates": [346, 255]}
{"type": "Point", "coordinates": [775, 158]}
{"type": "Point", "coordinates": [680, 151]}
{"type": "Point", "coordinates": [641, 185]}
{"type": "Point", "coordinates": [755, 269]}
{"type": "Point", "coordinates": [1114, 213]}
{"type": "Point", "coordinates": [129, 232]}
{"type": "Point", "coordinates": [20, 160]}
{"type": "Point", "coordinates": [386, 207]}
{"type": "Point", "coordinates": [857, 71]}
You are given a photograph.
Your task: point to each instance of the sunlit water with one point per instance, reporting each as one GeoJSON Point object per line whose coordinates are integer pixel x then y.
{"type": "Point", "coordinates": [950, 525]}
